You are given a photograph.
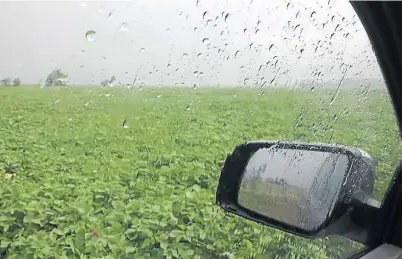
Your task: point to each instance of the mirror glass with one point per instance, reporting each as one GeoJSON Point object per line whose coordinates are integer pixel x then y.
{"type": "Point", "coordinates": [295, 186]}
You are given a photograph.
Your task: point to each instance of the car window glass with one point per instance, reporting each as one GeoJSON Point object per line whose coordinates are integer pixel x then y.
{"type": "Point", "coordinates": [116, 119]}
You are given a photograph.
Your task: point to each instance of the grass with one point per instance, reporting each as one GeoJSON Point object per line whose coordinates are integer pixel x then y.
{"type": "Point", "coordinates": [76, 184]}
{"type": "Point", "coordinates": [268, 198]}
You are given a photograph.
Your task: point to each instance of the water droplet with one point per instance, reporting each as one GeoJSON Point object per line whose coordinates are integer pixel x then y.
{"type": "Point", "coordinates": [169, 65]}
{"type": "Point", "coordinates": [210, 22]}
{"type": "Point", "coordinates": [83, 51]}
{"type": "Point", "coordinates": [103, 57]}
{"type": "Point", "coordinates": [332, 35]}
{"type": "Point", "coordinates": [185, 55]}
{"type": "Point", "coordinates": [195, 29]}
{"type": "Point", "coordinates": [142, 50]}
{"type": "Point", "coordinates": [312, 89]}
{"type": "Point", "coordinates": [298, 25]}
{"type": "Point", "coordinates": [125, 124]}
{"type": "Point", "coordinates": [226, 17]}
{"type": "Point", "coordinates": [109, 16]}
{"type": "Point", "coordinates": [245, 81]}
{"type": "Point", "coordinates": [312, 14]}
{"type": "Point", "coordinates": [270, 47]}
{"type": "Point", "coordinates": [337, 26]}
{"type": "Point", "coordinates": [90, 35]}
{"type": "Point", "coordinates": [333, 18]}
{"type": "Point", "coordinates": [57, 101]}
{"type": "Point", "coordinates": [245, 30]}
{"type": "Point", "coordinates": [301, 51]}
{"type": "Point", "coordinates": [69, 118]}
{"type": "Point", "coordinates": [237, 54]}
{"type": "Point", "coordinates": [206, 41]}
{"type": "Point", "coordinates": [124, 27]}
{"type": "Point", "coordinates": [205, 13]}
{"type": "Point", "coordinates": [194, 87]}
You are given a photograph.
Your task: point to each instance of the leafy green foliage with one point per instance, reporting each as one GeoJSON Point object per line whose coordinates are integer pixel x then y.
{"type": "Point", "coordinates": [76, 184]}
{"type": "Point", "coordinates": [6, 81]}
{"type": "Point", "coordinates": [56, 78]}
{"type": "Point", "coordinates": [16, 82]}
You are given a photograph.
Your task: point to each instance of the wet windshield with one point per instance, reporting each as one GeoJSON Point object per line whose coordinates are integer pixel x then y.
{"type": "Point", "coordinates": [116, 119]}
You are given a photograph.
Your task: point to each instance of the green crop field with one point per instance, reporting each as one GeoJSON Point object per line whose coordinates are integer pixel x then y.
{"type": "Point", "coordinates": [75, 183]}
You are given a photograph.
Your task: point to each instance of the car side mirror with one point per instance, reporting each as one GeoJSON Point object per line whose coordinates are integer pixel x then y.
{"type": "Point", "coordinates": [301, 188]}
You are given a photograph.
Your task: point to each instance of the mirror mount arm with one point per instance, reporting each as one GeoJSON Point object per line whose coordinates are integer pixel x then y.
{"type": "Point", "coordinates": [359, 220]}
{"type": "Point", "coordinates": [360, 198]}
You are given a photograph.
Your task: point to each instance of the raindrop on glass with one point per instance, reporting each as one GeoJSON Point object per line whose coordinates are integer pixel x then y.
{"type": "Point", "coordinates": [124, 27]}
{"type": "Point", "coordinates": [90, 35]}
{"type": "Point", "coordinates": [205, 13]}
{"type": "Point", "coordinates": [226, 17]}
{"type": "Point", "coordinates": [125, 124]}
{"type": "Point", "coordinates": [142, 50]}
{"type": "Point", "coordinates": [312, 14]}
{"type": "Point", "coordinates": [199, 55]}
{"type": "Point", "coordinates": [109, 16]}
{"type": "Point", "coordinates": [185, 55]}
{"type": "Point", "coordinates": [206, 41]}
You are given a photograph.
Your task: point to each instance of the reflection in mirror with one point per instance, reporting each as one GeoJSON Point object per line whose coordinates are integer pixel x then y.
{"type": "Point", "coordinates": [298, 187]}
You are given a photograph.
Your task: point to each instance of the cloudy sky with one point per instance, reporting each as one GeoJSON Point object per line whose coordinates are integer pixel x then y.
{"type": "Point", "coordinates": [185, 42]}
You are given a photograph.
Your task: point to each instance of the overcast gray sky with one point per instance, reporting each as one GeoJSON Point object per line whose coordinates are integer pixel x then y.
{"type": "Point", "coordinates": [204, 42]}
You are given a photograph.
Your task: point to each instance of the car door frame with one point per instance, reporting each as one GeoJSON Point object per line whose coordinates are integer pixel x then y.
{"type": "Point", "coordinates": [383, 24]}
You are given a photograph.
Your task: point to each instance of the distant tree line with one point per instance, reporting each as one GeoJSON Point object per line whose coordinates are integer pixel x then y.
{"type": "Point", "coordinates": [57, 78]}
{"type": "Point", "coordinates": [9, 82]}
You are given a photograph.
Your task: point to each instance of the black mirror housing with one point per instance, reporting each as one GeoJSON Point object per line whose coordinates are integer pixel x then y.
{"type": "Point", "coordinates": [358, 180]}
